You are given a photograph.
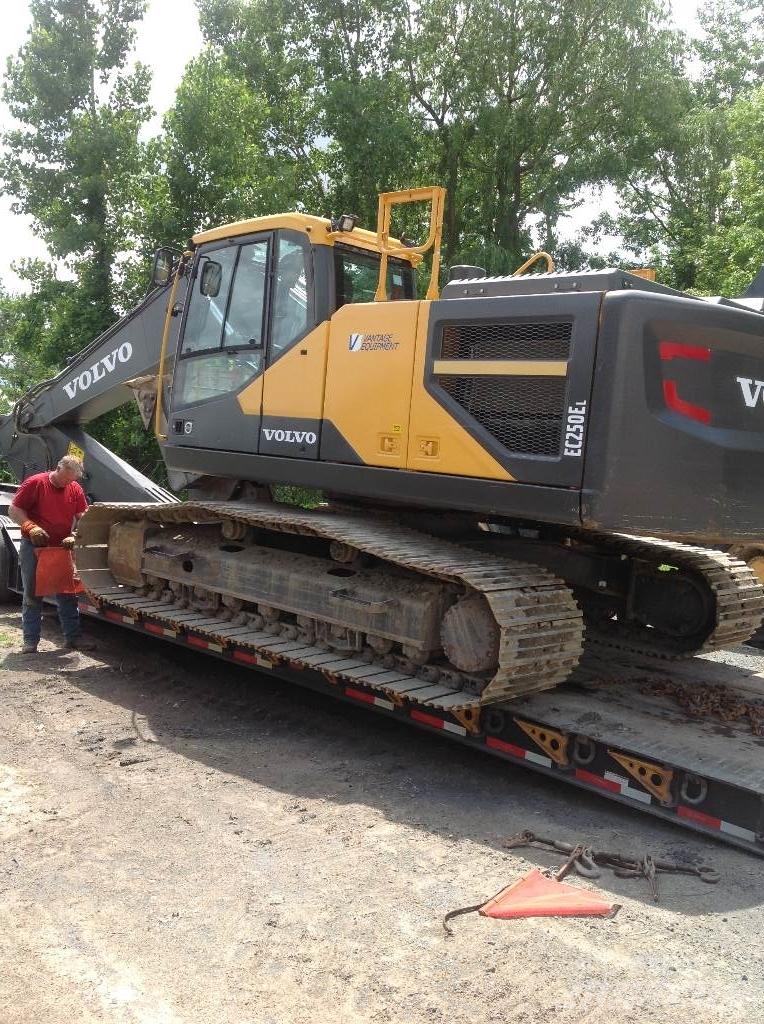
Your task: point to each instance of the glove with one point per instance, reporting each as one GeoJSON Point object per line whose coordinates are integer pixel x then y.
{"type": "Point", "coordinates": [68, 542]}
{"type": "Point", "coordinates": [34, 533]}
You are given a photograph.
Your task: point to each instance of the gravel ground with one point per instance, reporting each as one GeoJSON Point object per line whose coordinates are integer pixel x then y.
{"type": "Point", "coordinates": [181, 842]}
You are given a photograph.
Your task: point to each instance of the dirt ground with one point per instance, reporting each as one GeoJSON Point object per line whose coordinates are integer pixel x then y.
{"type": "Point", "coordinates": [184, 843]}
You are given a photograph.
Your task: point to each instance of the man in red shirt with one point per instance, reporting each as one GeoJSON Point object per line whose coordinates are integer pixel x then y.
{"type": "Point", "coordinates": [47, 507]}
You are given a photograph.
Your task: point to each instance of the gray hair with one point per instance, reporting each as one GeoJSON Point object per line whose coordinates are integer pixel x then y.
{"type": "Point", "coordinates": [72, 464]}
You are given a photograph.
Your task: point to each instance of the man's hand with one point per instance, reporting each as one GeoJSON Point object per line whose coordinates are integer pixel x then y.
{"type": "Point", "coordinates": [34, 533]}
{"type": "Point", "coordinates": [68, 542]}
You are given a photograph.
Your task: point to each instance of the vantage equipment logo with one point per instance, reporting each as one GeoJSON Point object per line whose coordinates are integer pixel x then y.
{"type": "Point", "coordinates": [372, 343]}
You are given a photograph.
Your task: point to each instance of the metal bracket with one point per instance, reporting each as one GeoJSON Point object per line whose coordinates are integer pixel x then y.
{"type": "Point", "coordinates": [552, 742]}
{"type": "Point", "coordinates": [470, 719]}
{"type": "Point", "coordinates": [654, 777]}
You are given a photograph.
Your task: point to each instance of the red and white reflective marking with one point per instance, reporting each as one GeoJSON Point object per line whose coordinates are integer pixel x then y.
{"type": "Point", "coordinates": [526, 755]}
{"type": "Point", "coordinates": [691, 814]}
{"type": "Point", "coordinates": [157, 630]}
{"type": "Point", "coordinates": [88, 609]}
{"type": "Point", "coordinates": [250, 658]}
{"type": "Point", "coordinates": [200, 641]}
{"type": "Point", "coordinates": [119, 617]}
{"type": "Point", "coordinates": [437, 723]}
{"type": "Point", "coordinates": [369, 698]}
{"type": "Point", "coordinates": [626, 789]}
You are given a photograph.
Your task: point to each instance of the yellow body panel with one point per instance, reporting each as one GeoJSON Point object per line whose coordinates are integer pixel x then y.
{"type": "Point", "coordinates": [294, 384]}
{"type": "Point", "coordinates": [502, 367]}
{"type": "Point", "coordinates": [316, 228]}
{"type": "Point", "coordinates": [437, 443]}
{"type": "Point", "coordinates": [368, 384]}
{"type": "Point", "coordinates": [251, 398]}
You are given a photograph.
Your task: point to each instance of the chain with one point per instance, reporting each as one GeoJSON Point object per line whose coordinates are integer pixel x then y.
{"type": "Point", "coordinates": [586, 862]}
{"type": "Point", "coordinates": [699, 700]}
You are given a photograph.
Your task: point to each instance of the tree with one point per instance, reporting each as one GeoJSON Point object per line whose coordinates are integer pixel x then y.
{"type": "Point", "coordinates": [511, 104]}
{"type": "Point", "coordinates": [75, 150]}
{"type": "Point", "coordinates": [675, 187]}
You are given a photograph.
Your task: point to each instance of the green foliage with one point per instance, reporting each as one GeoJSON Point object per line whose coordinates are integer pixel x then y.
{"type": "Point", "coordinates": [74, 152]}
{"type": "Point", "coordinates": [513, 106]}
{"type": "Point", "coordinates": [688, 190]}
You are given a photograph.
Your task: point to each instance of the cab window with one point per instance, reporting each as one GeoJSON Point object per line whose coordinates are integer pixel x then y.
{"type": "Point", "coordinates": [357, 274]}
{"type": "Point", "coordinates": [222, 346]}
{"type": "Point", "coordinates": [291, 309]}
{"type": "Point", "coordinates": [206, 313]}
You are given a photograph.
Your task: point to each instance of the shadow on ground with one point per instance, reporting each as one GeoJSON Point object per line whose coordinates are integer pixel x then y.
{"type": "Point", "coordinates": [306, 745]}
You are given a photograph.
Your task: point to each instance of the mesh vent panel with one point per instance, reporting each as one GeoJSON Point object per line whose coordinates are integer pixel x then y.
{"type": "Point", "coordinates": [536, 339]}
{"type": "Point", "coordinates": [525, 414]}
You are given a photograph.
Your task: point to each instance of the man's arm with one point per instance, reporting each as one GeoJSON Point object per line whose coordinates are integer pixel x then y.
{"type": "Point", "coordinates": [18, 515]}
{"type": "Point", "coordinates": [29, 529]}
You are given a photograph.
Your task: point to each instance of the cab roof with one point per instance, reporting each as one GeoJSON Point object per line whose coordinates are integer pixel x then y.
{"type": "Point", "coordinates": [318, 229]}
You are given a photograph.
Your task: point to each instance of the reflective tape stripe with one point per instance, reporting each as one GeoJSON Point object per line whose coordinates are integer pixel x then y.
{"type": "Point", "coordinates": [207, 645]}
{"type": "Point", "coordinates": [702, 819]}
{"type": "Point", "coordinates": [250, 658]}
{"type": "Point", "coordinates": [736, 830]}
{"type": "Point", "coordinates": [157, 630]}
{"type": "Point", "coordinates": [437, 723]}
{"type": "Point", "coordinates": [369, 698]}
{"type": "Point", "coordinates": [508, 748]}
{"type": "Point", "coordinates": [118, 617]}
{"type": "Point", "coordinates": [627, 789]}
{"type": "Point", "coordinates": [597, 780]}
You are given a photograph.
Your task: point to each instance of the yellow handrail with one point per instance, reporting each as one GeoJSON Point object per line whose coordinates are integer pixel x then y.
{"type": "Point", "coordinates": [436, 196]}
{"type": "Point", "coordinates": [163, 351]}
{"type": "Point", "coordinates": [534, 259]}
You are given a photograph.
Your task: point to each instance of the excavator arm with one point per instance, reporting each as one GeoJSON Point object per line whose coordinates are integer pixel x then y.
{"type": "Point", "coordinates": [48, 421]}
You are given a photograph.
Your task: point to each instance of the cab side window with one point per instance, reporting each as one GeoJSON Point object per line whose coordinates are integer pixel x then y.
{"type": "Point", "coordinates": [291, 312]}
{"type": "Point", "coordinates": [223, 337]}
{"type": "Point", "coordinates": [204, 324]}
{"type": "Point", "coordinates": [244, 323]}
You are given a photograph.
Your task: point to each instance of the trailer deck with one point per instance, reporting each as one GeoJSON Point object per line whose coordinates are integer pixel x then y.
{"type": "Point", "coordinates": [610, 730]}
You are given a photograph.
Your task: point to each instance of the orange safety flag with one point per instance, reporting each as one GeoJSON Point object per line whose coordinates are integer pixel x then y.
{"type": "Point", "coordinates": [535, 895]}
{"type": "Point", "coordinates": [56, 573]}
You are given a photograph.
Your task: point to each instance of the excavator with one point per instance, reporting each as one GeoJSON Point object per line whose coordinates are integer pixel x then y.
{"type": "Point", "coordinates": [513, 470]}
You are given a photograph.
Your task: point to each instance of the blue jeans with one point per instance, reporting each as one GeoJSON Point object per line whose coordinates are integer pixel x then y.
{"type": "Point", "coordinates": [31, 607]}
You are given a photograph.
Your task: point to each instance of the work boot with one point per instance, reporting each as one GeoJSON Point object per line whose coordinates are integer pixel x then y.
{"type": "Point", "coordinates": [79, 644]}
{"type": "Point", "coordinates": [29, 649]}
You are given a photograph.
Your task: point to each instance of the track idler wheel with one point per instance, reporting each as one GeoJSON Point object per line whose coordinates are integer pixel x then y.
{"type": "Point", "coordinates": [470, 635]}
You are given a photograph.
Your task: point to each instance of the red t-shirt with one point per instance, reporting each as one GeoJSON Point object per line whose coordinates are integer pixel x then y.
{"type": "Point", "coordinates": [52, 508]}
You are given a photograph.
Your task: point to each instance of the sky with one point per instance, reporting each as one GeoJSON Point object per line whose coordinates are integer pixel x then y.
{"type": "Point", "coordinates": [168, 38]}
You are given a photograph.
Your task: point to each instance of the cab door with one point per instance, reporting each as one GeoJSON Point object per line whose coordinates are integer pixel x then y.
{"type": "Point", "coordinates": [222, 350]}
{"type": "Point", "coordinates": [293, 384]}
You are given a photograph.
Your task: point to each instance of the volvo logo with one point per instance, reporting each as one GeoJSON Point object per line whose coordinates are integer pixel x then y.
{"type": "Point", "coordinates": [753, 391]}
{"type": "Point", "coordinates": [290, 436]}
{"type": "Point", "coordinates": [99, 370]}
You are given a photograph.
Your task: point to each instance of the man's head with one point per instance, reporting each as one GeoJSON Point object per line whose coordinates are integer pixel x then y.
{"type": "Point", "coordinates": [69, 468]}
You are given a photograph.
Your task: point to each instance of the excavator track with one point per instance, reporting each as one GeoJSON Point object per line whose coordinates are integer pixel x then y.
{"type": "Point", "coordinates": [738, 599]}
{"type": "Point", "coordinates": [540, 625]}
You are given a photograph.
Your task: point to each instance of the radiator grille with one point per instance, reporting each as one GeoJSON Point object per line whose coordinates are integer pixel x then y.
{"type": "Point", "coordinates": [524, 414]}
{"type": "Point", "coordinates": [535, 339]}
